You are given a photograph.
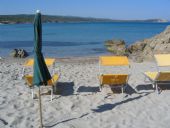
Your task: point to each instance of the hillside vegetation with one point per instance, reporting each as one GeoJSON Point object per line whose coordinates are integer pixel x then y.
{"type": "Point", "coordinates": [16, 19]}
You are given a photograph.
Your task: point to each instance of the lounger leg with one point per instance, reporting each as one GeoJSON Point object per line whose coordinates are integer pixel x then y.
{"type": "Point", "coordinates": [153, 85]}
{"type": "Point", "coordinates": [55, 89]}
{"type": "Point", "coordinates": [145, 79]}
{"type": "Point", "coordinates": [122, 91]}
{"type": "Point", "coordinates": [52, 93]}
{"type": "Point", "coordinates": [32, 91]}
{"type": "Point", "coordinates": [22, 74]}
{"type": "Point", "coordinates": [157, 88]}
{"type": "Point", "coordinates": [100, 88]}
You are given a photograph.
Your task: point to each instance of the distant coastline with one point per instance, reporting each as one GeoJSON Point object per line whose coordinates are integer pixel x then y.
{"type": "Point", "coordinates": [23, 19]}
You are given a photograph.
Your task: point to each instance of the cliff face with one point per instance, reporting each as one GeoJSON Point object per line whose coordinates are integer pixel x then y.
{"type": "Point", "coordinates": [147, 48]}
{"type": "Point", "coordinates": [142, 50]}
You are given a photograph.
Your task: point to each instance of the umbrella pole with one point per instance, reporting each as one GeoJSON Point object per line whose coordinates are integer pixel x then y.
{"type": "Point", "coordinates": [40, 108]}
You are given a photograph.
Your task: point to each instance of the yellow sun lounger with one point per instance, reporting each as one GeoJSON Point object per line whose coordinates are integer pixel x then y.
{"type": "Point", "coordinates": [30, 62]}
{"type": "Point", "coordinates": [114, 80]}
{"type": "Point", "coordinates": [52, 83]}
{"type": "Point", "coordinates": [160, 77]}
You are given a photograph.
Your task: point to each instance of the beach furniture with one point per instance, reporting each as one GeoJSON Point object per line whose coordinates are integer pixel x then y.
{"type": "Point", "coordinates": [114, 80]}
{"type": "Point", "coordinates": [51, 83]}
{"type": "Point", "coordinates": [159, 77]}
{"type": "Point", "coordinates": [29, 78]}
{"type": "Point", "coordinates": [50, 62]}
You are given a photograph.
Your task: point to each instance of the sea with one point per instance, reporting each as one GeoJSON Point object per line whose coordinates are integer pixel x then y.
{"type": "Point", "coordinates": [75, 39]}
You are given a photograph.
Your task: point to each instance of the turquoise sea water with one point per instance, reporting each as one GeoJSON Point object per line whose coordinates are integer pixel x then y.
{"type": "Point", "coordinates": [75, 39]}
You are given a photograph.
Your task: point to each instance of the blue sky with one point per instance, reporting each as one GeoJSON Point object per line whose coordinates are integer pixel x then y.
{"type": "Point", "coordinates": [115, 9]}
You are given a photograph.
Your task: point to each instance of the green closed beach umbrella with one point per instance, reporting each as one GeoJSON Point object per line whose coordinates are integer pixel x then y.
{"type": "Point", "coordinates": [41, 74]}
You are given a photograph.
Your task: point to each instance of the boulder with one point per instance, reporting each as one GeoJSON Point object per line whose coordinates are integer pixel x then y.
{"type": "Point", "coordinates": [136, 47]}
{"type": "Point", "coordinates": [142, 50]}
{"type": "Point", "coordinates": [147, 48]}
{"type": "Point", "coordinates": [137, 58]}
{"type": "Point", "coordinates": [14, 53]}
{"type": "Point", "coordinates": [117, 47]}
{"type": "Point", "coordinates": [20, 53]}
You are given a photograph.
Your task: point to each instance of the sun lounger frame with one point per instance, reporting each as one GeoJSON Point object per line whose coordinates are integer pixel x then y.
{"type": "Point", "coordinates": [162, 60]}
{"type": "Point", "coordinates": [52, 85]}
{"type": "Point", "coordinates": [123, 63]}
{"type": "Point", "coordinates": [50, 62]}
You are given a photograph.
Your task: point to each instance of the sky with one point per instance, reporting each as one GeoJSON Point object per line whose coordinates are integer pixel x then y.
{"type": "Point", "coordinates": [114, 9]}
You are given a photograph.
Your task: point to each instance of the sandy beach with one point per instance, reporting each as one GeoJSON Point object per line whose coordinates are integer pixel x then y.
{"type": "Point", "coordinates": [79, 103]}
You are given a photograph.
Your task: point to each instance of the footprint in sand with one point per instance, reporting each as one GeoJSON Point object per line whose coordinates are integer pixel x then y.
{"type": "Point", "coordinates": [3, 123]}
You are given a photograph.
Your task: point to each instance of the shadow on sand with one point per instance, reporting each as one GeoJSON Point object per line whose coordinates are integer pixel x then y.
{"type": "Point", "coordinates": [50, 126]}
{"type": "Point", "coordinates": [107, 107]}
{"type": "Point", "coordinates": [144, 87]}
{"type": "Point", "coordinates": [161, 87]}
{"type": "Point", "coordinates": [164, 86]}
{"type": "Point", "coordinates": [65, 88]}
{"type": "Point", "coordinates": [88, 89]}
{"type": "Point", "coordinates": [3, 121]}
{"type": "Point", "coordinates": [128, 90]}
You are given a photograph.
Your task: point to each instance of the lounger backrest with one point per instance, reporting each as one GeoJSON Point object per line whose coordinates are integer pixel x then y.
{"type": "Point", "coordinates": [163, 76]}
{"type": "Point", "coordinates": [48, 61]}
{"type": "Point", "coordinates": [114, 61]}
{"type": "Point", "coordinates": [54, 79]}
{"type": "Point", "coordinates": [162, 59]}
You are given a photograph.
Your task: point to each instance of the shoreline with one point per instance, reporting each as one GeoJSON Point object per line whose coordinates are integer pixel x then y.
{"type": "Point", "coordinates": [58, 59]}
{"type": "Point", "coordinates": [84, 59]}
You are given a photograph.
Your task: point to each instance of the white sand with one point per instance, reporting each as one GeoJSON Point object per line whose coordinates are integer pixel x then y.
{"type": "Point", "coordinates": [80, 104]}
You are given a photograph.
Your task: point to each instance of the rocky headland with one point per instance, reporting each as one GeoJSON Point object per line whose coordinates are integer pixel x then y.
{"type": "Point", "coordinates": [142, 50]}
